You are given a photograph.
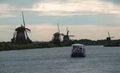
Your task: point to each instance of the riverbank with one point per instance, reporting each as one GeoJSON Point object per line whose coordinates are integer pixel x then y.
{"type": "Point", "coordinates": [12, 46]}
{"type": "Point", "coordinates": [4, 46]}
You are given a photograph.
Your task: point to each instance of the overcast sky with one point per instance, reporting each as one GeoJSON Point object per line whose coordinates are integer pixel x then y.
{"type": "Point", "coordinates": [86, 19]}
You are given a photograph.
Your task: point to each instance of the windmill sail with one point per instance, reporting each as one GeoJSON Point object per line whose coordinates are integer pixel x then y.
{"type": "Point", "coordinates": [108, 34]}
{"type": "Point", "coordinates": [67, 30]}
{"type": "Point", "coordinates": [23, 19]}
{"type": "Point", "coordinates": [24, 25]}
{"type": "Point", "coordinates": [58, 28]}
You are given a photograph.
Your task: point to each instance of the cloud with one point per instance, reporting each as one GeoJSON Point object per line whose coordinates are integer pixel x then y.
{"type": "Point", "coordinates": [5, 10]}
{"type": "Point", "coordinates": [75, 7]}
{"type": "Point", "coordinates": [62, 8]}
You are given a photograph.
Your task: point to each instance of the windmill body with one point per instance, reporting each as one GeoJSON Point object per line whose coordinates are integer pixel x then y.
{"type": "Point", "coordinates": [109, 37]}
{"type": "Point", "coordinates": [57, 37]}
{"type": "Point", "coordinates": [20, 35]}
{"type": "Point", "coordinates": [67, 36]}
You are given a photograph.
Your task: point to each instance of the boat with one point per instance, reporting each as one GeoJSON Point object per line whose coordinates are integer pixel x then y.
{"type": "Point", "coordinates": [78, 50]}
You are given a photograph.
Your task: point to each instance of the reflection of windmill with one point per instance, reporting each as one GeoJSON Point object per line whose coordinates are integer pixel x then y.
{"type": "Point", "coordinates": [57, 36]}
{"type": "Point", "coordinates": [20, 35]}
{"type": "Point", "coordinates": [109, 37]}
{"type": "Point", "coordinates": [67, 36]}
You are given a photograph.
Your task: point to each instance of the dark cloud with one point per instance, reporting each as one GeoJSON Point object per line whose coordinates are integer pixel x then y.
{"type": "Point", "coordinates": [113, 1]}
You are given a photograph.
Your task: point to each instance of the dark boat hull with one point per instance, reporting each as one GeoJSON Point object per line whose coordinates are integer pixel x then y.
{"type": "Point", "coordinates": [77, 55]}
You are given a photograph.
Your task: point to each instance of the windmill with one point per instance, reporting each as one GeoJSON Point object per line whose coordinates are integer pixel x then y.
{"type": "Point", "coordinates": [20, 35]}
{"type": "Point", "coordinates": [67, 36]}
{"type": "Point", "coordinates": [109, 37]}
{"type": "Point", "coordinates": [57, 36]}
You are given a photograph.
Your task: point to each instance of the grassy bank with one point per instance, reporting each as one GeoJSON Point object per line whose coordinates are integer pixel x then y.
{"type": "Point", "coordinates": [10, 46]}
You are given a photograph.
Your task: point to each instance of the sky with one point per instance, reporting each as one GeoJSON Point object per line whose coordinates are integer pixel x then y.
{"type": "Point", "coordinates": [86, 19]}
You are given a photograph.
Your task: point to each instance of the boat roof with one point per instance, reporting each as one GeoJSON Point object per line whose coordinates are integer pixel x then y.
{"type": "Point", "coordinates": [77, 44]}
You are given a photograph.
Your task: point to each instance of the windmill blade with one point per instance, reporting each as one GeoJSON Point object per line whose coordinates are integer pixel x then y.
{"type": "Point", "coordinates": [27, 29]}
{"type": "Point", "coordinates": [71, 35]}
{"type": "Point", "coordinates": [58, 28]}
{"type": "Point", "coordinates": [62, 34]}
{"type": "Point", "coordinates": [26, 34]}
{"type": "Point", "coordinates": [108, 34]}
{"type": "Point", "coordinates": [23, 19]}
{"type": "Point", "coordinates": [112, 37]}
{"type": "Point", "coordinates": [14, 34]}
{"type": "Point", "coordinates": [67, 30]}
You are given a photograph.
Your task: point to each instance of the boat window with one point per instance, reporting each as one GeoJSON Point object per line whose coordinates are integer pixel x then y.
{"type": "Point", "coordinates": [77, 49]}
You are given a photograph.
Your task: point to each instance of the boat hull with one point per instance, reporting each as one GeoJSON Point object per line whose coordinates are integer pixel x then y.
{"type": "Point", "coordinates": [77, 55]}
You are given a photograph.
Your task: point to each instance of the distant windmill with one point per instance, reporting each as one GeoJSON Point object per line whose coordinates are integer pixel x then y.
{"type": "Point", "coordinates": [109, 37]}
{"type": "Point", "coordinates": [57, 36]}
{"type": "Point", "coordinates": [20, 35]}
{"type": "Point", "coordinates": [67, 36]}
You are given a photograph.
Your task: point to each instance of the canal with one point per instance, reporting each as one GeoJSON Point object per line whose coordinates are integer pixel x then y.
{"type": "Point", "coordinates": [98, 59]}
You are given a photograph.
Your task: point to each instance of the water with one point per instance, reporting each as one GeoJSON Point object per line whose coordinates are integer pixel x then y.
{"type": "Point", "coordinates": [57, 60]}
